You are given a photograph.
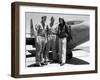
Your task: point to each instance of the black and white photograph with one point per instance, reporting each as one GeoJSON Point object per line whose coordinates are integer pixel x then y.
{"type": "Point", "coordinates": [57, 39]}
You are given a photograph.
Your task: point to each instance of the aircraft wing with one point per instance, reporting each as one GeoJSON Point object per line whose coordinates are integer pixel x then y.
{"type": "Point", "coordinates": [80, 33]}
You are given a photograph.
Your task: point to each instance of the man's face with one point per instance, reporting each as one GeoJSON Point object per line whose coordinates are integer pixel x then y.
{"type": "Point", "coordinates": [60, 21]}
{"type": "Point", "coordinates": [52, 20]}
{"type": "Point", "coordinates": [44, 19]}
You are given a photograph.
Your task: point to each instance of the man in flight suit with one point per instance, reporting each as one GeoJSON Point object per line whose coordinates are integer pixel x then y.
{"type": "Point", "coordinates": [41, 40]}
{"type": "Point", "coordinates": [51, 39]}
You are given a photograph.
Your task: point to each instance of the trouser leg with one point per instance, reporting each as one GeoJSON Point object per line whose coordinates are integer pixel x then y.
{"type": "Point", "coordinates": [40, 45]}
{"type": "Point", "coordinates": [38, 52]}
{"type": "Point", "coordinates": [47, 50]}
{"type": "Point", "coordinates": [60, 50]}
{"type": "Point", "coordinates": [54, 48]}
{"type": "Point", "coordinates": [43, 51]}
{"type": "Point", "coordinates": [64, 42]}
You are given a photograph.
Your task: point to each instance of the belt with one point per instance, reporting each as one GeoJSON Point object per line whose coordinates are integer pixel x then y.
{"type": "Point", "coordinates": [52, 34]}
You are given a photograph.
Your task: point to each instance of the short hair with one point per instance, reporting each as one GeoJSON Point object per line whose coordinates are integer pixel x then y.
{"type": "Point", "coordinates": [52, 17]}
{"type": "Point", "coordinates": [43, 17]}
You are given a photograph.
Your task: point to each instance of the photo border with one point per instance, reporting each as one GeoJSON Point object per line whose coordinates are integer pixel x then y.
{"type": "Point", "coordinates": [15, 32]}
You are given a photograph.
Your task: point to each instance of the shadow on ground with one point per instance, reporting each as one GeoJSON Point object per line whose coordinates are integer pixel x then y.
{"type": "Point", "coordinates": [73, 61]}
{"type": "Point", "coordinates": [76, 61]}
